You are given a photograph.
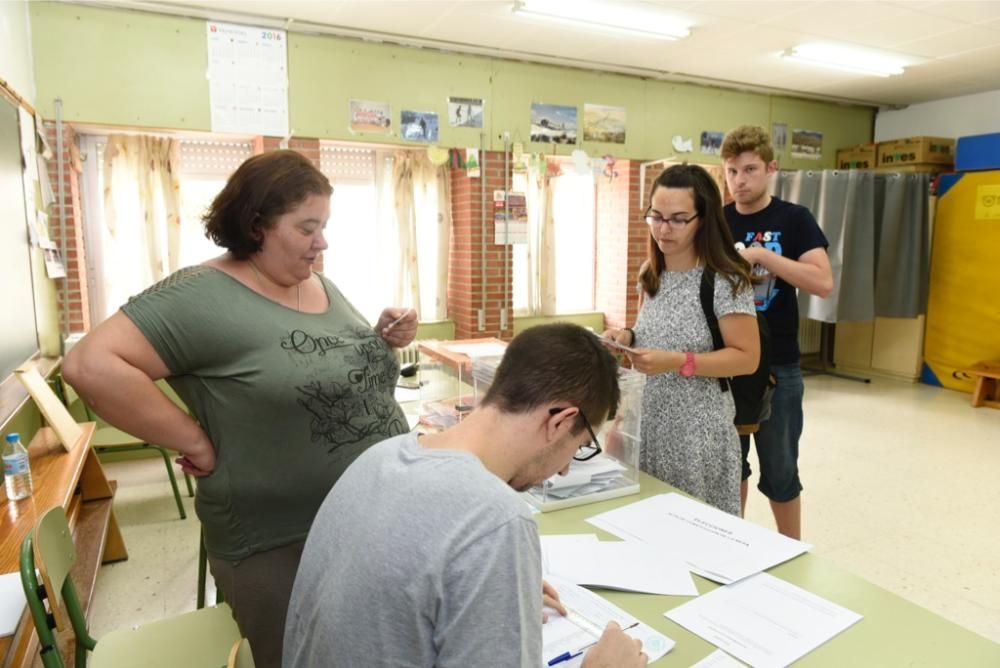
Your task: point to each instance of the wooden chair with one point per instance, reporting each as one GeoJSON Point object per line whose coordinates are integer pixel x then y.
{"type": "Point", "coordinates": [109, 439]}
{"type": "Point", "coordinates": [200, 638]}
{"type": "Point", "coordinates": [240, 656]}
{"type": "Point", "coordinates": [987, 392]}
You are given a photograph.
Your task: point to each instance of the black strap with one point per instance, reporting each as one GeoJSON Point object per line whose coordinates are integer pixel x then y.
{"type": "Point", "coordinates": [706, 292]}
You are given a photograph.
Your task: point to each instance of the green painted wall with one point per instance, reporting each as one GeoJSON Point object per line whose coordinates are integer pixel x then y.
{"type": "Point", "coordinates": [148, 70]}
{"type": "Point", "coordinates": [15, 51]}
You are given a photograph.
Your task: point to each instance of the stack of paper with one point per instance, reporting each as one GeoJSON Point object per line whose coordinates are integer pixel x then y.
{"type": "Point", "coordinates": [586, 477]}
{"type": "Point", "coordinates": [588, 615]}
{"type": "Point", "coordinates": [763, 620]}
{"type": "Point", "coordinates": [12, 602]}
{"type": "Point", "coordinates": [474, 350]}
{"type": "Point", "coordinates": [624, 565]}
{"type": "Point", "coordinates": [714, 544]}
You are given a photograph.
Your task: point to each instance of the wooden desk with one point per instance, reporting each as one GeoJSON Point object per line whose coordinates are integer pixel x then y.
{"type": "Point", "coordinates": [894, 632]}
{"type": "Point", "coordinates": [74, 480]}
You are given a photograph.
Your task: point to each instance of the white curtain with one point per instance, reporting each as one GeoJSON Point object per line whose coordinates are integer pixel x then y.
{"type": "Point", "coordinates": [142, 214]}
{"type": "Point", "coordinates": [541, 270]}
{"type": "Point", "coordinates": [423, 225]}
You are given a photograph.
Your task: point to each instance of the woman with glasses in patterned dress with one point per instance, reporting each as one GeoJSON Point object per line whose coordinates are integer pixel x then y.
{"type": "Point", "coordinates": [688, 436]}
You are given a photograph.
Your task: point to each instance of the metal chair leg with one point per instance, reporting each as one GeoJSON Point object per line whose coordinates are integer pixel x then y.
{"type": "Point", "coordinates": [173, 480]}
{"type": "Point", "coordinates": [187, 479]}
{"type": "Point", "coordinates": [202, 568]}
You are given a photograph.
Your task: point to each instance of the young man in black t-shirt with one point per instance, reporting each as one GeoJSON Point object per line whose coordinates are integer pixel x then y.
{"type": "Point", "coordinates": [787, 250]}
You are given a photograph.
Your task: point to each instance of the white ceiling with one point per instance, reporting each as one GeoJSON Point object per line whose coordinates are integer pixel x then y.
{"type": "Point", "coordinates": [955, 44]}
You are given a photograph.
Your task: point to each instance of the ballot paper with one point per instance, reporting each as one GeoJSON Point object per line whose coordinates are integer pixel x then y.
{"type": "Point", "coordinates": [764, 620]}
{"type": "Point", "coordinates": [622, 565]}
{"type": "Point", "coordinates": [12, 602]}
{"type": "Point", "coordinates": [586, 477]}
{"type": "Point", "coordinates": [474, 350]}
{"type": "Point", "coordinates": [713, 544]}
{"type": "Point", "coordinates": [588, 615]}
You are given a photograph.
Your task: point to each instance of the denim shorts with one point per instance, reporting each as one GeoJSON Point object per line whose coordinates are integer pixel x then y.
{"type": "Point", "coordinates": [777, 440]}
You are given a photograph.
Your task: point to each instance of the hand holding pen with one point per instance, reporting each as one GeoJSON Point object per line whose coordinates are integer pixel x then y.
{"type": "Point", "coordinates": [615, 649]}
{"type": "Point", "coordinates": [397, 328]}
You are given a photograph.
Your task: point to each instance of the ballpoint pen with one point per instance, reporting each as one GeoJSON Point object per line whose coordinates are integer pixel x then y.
{"type": "Point", "coordinates": [566, 656]}
{"type": "Point", "coordinates": [397, 320]}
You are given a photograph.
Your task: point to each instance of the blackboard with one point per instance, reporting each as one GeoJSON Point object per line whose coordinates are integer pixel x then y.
{"type": "Point", "coordinates": [18, 330]}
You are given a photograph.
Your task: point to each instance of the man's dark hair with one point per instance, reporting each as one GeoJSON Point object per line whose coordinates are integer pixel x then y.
{"type": "Point", "coordinates": [556, 363]}
{"type": "Point", "coordinates": [263, 188]}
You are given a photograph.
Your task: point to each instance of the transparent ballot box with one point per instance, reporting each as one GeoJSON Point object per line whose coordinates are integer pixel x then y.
{"type": "Point", "coordinates": [612, 473]}
{"type": "Point", "coordinates": [445, 373]}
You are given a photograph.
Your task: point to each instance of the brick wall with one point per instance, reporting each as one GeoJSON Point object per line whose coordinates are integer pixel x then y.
{"type": "Point", "coordinates": [465, 276]}
{"type": "Point", "coordinates": [66, 230]}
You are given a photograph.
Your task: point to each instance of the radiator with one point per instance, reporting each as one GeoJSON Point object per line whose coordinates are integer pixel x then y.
{"type": "Point", "coordinates": [409, 354]}
{"type": "Point", "coordinates": [809, 336]}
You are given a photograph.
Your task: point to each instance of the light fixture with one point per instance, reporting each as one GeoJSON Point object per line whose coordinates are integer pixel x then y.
{"type": "Point", "coordinates": [605, 17]}
{"type": "Point", "coordinates": [847, 59]}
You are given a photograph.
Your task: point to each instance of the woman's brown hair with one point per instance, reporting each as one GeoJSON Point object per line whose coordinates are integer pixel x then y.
{"type": "Point", "coordinates": [263, 188]}
{"type": "Point", "coordinates": [713, 242]}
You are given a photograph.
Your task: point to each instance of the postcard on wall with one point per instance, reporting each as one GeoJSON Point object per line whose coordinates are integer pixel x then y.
{"type": "Point", "coordinates": [553, 123]}
{"type": "Point", "coordinates": [370, 116]}
{"type": "Point", "coordinates": [418, 125]}
{"type": "Point", "coordinates": [472, 163]}
{"type": "Point", "coordinates": [53, 260]}
{"type": "Point", "coordinates": [779, 136]}
{"type": "Point", "coordinates": [248, 79]}
{"type": "Point", "coordinates": [711, 142]}
{"type": "Point", "coordinates": [465, 112]}
{"type": "Point", "coordinates": [807, 144]}
{"type": "Point", "coordinates": [603, 123]}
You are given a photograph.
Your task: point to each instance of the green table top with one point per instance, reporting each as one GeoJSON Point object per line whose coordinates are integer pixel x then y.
{"type": "Point", "coordinates": [894, 632]}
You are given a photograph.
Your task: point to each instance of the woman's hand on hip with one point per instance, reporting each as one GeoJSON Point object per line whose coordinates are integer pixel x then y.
{"type": "Point", "coordinates": [199, 460]}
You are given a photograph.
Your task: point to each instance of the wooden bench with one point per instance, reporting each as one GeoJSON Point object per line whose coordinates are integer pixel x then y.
{"type": "Point", "coordinates": [987, 392]}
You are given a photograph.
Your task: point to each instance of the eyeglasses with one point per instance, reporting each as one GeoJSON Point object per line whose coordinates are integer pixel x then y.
{"type": "Point", "coordinates": [653, 219]}
{"type": "Point", "coordinates": [587, 450]}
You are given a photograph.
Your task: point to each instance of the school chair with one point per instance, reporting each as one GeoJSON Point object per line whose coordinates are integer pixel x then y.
{"type": "Point", "coordinates": [241, 656]}
{"type": "Point", "coordinates": [109, 439]}
{"type": "Point", "coordinates": [200, 638]}
{"type": "Point", "coordinates": [203, 573]}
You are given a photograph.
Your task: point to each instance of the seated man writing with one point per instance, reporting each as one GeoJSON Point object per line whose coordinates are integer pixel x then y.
{"type": "Point", "coordinates": [423, 554]}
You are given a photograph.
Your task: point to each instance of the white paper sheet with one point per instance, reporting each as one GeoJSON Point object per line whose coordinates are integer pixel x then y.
{"type": "Point", "coordinates": [474, 350]}
{"type": "Point", "coordinates": [714, 544]}
{"type": "Point", "coordinates": [718, 659]}
{"type": "Point", "coordinates": [622, 565]}
{"type": "Point", "coordinates": [589, 614]}
{"type": "Point", "coordinates": [764, 620]}
{"type": "Point", "coordinates": [12, 602]}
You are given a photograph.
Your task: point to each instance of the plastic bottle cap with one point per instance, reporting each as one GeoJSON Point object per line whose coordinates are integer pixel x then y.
{"type": "Point", "coordinates": [13, 436]}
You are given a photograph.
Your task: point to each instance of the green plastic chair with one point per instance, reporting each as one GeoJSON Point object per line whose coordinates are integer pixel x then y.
{"type": "Point", "coordinates": [109, 439]}
{"type": "Point", "coordinates": [200, 638]}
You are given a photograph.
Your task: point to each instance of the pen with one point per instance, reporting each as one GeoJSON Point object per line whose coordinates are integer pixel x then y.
{"type": "Point", "coordinates": [566, 656]}
{"type": "Point", "coordinates": [397, 320]}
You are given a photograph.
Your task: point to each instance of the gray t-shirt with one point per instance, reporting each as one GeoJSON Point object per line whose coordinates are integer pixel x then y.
{"type": "Point", "coordinates": [289, 399]}
{"type": "Point", "coordinates": [418, 557]}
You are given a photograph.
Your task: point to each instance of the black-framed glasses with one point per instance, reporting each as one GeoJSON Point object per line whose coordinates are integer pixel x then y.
{"type": "Point", "coordinates": [587, 450]}
{"type": "Point", "coordinates": [653, 218]}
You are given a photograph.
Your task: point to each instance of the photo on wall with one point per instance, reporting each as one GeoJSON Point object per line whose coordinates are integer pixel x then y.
{"type": "Point", "coordinates": [807, 144]}
{"type": "Point", "coordinates": [553, 123]}
{"type": "Point", "coordinates": [711, 142]}
{"type": "Point", "coordinates": [465, 112]}
{"type": "Point", "coordinates": [369, 116]}
{"type": "Point", "coordinates": [603, 123]}
{"type": "Point", "coordinates": [418, 125]}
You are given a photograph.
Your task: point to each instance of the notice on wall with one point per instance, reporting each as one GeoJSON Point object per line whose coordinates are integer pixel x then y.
{"type": "Point", "coordinates": [510, 219]}
{"type": "Point", "coordinates": [248, 79]}
{"type": "Point", "coordinates": [988, 202]}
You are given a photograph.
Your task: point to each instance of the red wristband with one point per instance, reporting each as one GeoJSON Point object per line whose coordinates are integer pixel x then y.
{"type": "Point", "coordinates": [687, 369]}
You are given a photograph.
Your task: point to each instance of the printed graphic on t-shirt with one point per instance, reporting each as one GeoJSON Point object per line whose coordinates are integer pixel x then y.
{"type": "Point", "coordinates": [764, 292]}
{"type": "Point", "coordinates": [360, 408]}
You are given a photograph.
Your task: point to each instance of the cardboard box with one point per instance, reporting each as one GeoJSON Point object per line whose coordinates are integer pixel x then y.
{"type": "Point", "coordinates": [918, 168]}
{"type": "Point", "coordinates": [916, 150]}
{"type": "Point", "coordinates": [857, 157]}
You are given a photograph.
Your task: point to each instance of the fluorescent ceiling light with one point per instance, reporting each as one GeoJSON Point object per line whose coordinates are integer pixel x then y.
{"type": "Point", "coordinates": [604, 16]}
{"type": "Point", "coordinates": [847, 59]}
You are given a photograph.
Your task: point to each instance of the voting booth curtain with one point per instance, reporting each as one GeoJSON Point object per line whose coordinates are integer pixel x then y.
{"type": "Point", "coordinates": [879, 232]}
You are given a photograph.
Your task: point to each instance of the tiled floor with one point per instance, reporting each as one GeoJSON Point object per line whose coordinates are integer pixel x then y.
{"type": "Point", "coordinates": [902, 487]}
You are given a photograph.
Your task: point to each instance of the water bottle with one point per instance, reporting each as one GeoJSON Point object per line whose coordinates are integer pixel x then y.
{"type": "Point", "coordinates": [16, 471]}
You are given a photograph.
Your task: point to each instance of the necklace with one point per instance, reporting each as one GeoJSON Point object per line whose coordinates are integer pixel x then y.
{"type": "Point", "coordinates": [260, 282]}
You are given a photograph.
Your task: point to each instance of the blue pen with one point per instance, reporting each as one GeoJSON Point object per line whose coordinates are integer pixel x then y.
{"type": "Point", "coordinates": [566, 656]}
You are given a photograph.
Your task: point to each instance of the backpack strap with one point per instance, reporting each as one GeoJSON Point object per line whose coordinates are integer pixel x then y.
{"type": "Point", "coordinates": [706, 291]}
